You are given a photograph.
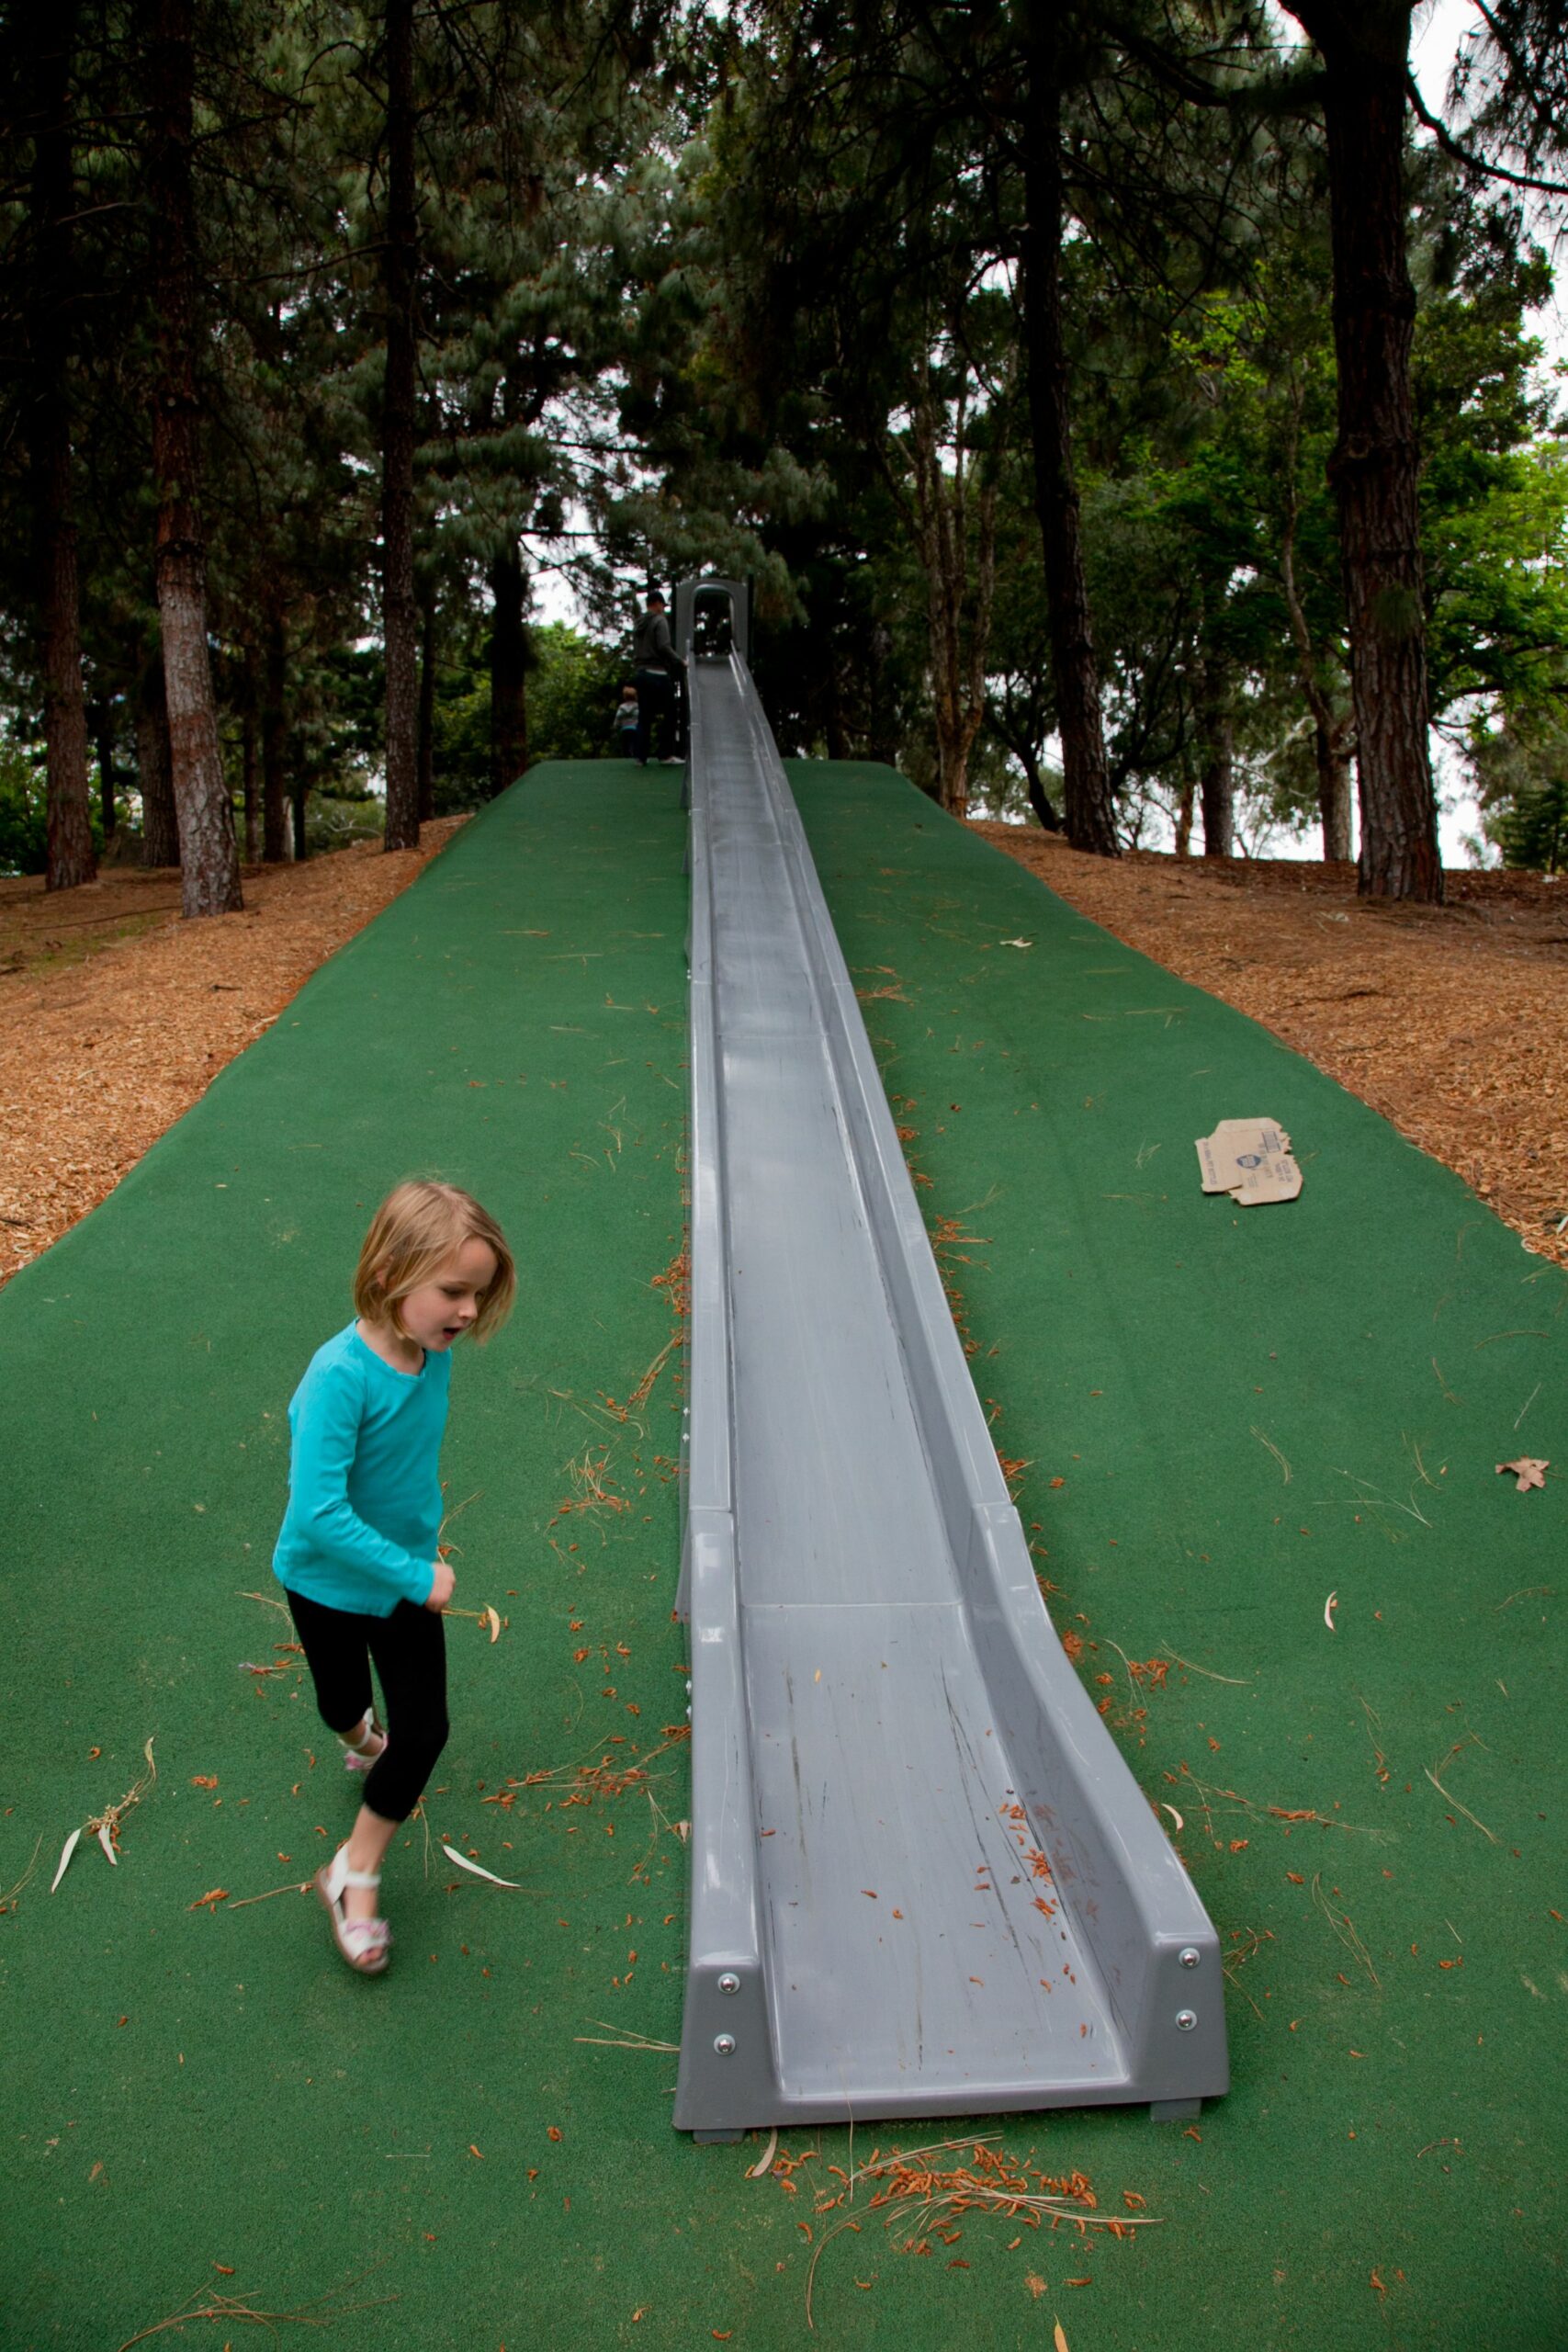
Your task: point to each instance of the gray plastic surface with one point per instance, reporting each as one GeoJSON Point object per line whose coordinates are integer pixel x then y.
{"type": "Point", "coordinates": [923, 1881]}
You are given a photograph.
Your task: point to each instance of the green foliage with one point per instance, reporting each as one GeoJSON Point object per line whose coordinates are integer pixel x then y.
{"type": "Point", "coordinates": [572, 692]}
{"type": "Point", "coordinates": [1521, 779]}
{"type": "Point", "coordinates": [22, 813]}
{"type": "Point", "coordinates": [1535, 830]}
{"type": "Point", "coordinates": [332, 823]}
{"type": "Point", "coordinates": [574, 683]}
{"type": "Point", "coordinates": [683, 289]}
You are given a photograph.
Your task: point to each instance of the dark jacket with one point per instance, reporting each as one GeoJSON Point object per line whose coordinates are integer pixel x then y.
{"type": "Point", "coordinates": [652, 648]}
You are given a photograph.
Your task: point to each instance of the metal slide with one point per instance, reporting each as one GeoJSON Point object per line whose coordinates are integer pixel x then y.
{"type": "Point", "coordinates": [923, 1881]}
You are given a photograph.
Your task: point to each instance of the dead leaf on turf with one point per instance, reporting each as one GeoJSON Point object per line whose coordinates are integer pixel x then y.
{"type": "Point", "coordinates": [478, 1870]}
{"type": "Point", "coordinates": [494, 1623]}
{"type": "Point", "coordinates": [1058, 2338]}
{"type": "Point", "coordinates": [1527, 1470]}
{"type": "Point", "coordinates": [66, 1851]}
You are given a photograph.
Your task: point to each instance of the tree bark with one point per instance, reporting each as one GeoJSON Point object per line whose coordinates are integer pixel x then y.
{"type": "Point", "coordinates": [1333, 789]}
{"type": "Point", "coordinates": [1216, 791]}
{"type": "Point", "coordinates": [249, 794]}
{"type": "Point", "coordinates": [274, 741]}
{"type": "Point", "coordinates": [1216, 776]}
{"type": "Point", "coordinates": [400, 615]}
{"type": "Point", "coordinates": [959, 592]}
{"type": "Point", "coordinates": [425, 763]}
{"type": "Point", "coordinates": [101, 723]}
{"type": "Point", "coordinates": [154, 774]}
{"type": "Point", "coordinates": [1184, 817]}
{"type": "Point", "coordinates": [881, 732]}
{"type": "Point", "coordinates": [1089, 801]}
{"type": "Point", "coordinates": [1331, 735]}
{"type": "Point", "coordinates": [1375, 466]}
{"type": "Point", "coordinates": [838, 734]}
{"type": "Point", "coordinates": [210, 864]}
{"type": "Point", "coordinates": [508, 670]}
{"type": "Point", "coordinates": [1040, 800]}
{"type": "Point", "coordinates": [69, 857]}
{"type": "Point", "coordinates": [296, 800]}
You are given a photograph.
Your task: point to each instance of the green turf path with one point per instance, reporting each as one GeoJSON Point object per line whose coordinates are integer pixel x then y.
{"type": "Point", "coordinates": [516, 1021]}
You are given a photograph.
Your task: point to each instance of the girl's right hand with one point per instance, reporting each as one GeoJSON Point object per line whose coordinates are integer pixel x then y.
{"type": "Point", "coordinates": [443, 1586]}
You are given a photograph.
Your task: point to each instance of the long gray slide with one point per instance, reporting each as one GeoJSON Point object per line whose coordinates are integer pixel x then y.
{"type": "Point", "coordinates": [924, 1883]}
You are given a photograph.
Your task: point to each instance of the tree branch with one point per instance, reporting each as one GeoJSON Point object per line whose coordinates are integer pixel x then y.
{"type": "Point", "coordinates": [1450, 146]}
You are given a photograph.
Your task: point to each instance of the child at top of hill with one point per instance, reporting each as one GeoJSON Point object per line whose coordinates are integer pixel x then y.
{"type": "Point", "coordinates": [628, 710]}
{"type": "Point", "coordinates": [358, 1553]}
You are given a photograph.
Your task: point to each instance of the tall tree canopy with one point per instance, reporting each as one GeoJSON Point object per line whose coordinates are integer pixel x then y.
{"type": "Point", "coordinates": [1127, 407]}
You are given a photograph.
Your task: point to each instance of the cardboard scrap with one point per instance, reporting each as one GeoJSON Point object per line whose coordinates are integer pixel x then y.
{"type": "Point", "coordinates": [1250, 1159]}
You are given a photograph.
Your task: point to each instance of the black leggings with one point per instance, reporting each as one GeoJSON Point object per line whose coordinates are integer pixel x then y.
{"type": "Point", "coordinates": [409, 1650]}
{"type": "Point", "coordinates": [656, 702]}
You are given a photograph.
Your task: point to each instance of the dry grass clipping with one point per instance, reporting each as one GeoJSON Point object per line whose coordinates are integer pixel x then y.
{"type": "Point", "coordinates": [238, 2311]}
{"type": "Point", "coordinates": [912, 2193]}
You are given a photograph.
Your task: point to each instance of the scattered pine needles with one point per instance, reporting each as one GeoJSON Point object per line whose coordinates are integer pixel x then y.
{"type": "Point", "coordinates": [238, 2310]}
{"type": "Point", "coordinates": [910, 2193]}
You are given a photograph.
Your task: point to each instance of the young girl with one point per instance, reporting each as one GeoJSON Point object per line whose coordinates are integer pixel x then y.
{"type": "Point", "coordinates": [357, 1553]}
{"type": "Point", "coordinates": [626, 715]}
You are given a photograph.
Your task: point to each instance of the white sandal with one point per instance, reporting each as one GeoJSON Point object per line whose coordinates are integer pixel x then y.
{"type": "Point", "coordinates": [359, 1756]}
{"type": "Point", "coordinates": [364, 1943]}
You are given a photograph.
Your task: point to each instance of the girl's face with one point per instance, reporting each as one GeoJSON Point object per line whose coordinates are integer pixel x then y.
{"type": "Point", "coordinates": [441, 1309]}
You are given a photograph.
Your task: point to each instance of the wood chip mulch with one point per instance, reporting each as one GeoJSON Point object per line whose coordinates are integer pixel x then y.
{"type": "Point", "coordinates": [114, 1015]}
{"type": "Point", "coordinates": [1453, 1021]}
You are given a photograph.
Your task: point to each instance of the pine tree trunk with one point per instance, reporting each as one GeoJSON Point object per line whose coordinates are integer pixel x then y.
{"type": "Point", "coordinates": [400, 615]}
{"type": "Point", "coordinates": [101, 724]}
{"type": "Point", "coordinates": [210, 864]}
{"type": "Point", "coordinates": [1332, 790]}
{"type": "Point", "coordinates": [883, 734]}
{"type": "Point", "coordinates": [296, 800]}
{"type": "Point", "coordinates": [1375, 467]}
{"type": "Point", "coordinates": [250, 778]}
{"type": "Point", "coordinates": [1216, 776]}
{"type": "Point", "coordinates": [508, 670]}
{"type": "Point", "coordinates": [274, 741]}
{"type": "Point", "coordinates": [154, 774]}
{"type": "Point", "coordinates": [1088, 798]}
{"type": "Point", "coordinates": [838, 740]}
{"type": "Point", "coordinates": [69, 858]}
{"type": "Point", "coordinates": [1184, 817]}
{"type": "Point", "coordinates": [1216, 792]}
{"type": "Point", "coordinates": [1039, 799]}
{"type": "Point", "coordinates": [425, 763]}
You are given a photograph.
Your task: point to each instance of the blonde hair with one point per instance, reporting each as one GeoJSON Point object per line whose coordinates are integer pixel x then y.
{"type": "Point", "coordinates": [419, 1228]}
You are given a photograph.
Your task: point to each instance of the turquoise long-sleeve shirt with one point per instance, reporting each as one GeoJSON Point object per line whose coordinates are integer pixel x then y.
{"type": "Point", "coordinates": [364, 1480]}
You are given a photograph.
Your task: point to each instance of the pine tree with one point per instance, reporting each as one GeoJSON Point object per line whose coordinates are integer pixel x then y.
{"type": "Point", "coordinates": [1375, 467]}
{"type": "Point", "coordinates": [71, 860]}
{"type": "Point", "coordinates": [209, 865]}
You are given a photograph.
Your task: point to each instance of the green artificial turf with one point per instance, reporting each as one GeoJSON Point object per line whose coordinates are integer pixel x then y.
{"type": "Point", "coordinates": [190, 2087]}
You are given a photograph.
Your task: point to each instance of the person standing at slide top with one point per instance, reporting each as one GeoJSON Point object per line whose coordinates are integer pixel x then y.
{"type": "Point", "coordinates": [659, 667]}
